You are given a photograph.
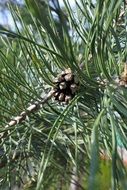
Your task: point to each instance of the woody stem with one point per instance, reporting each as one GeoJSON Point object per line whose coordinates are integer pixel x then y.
{"type": "Point", "coordinates": [31, 109]}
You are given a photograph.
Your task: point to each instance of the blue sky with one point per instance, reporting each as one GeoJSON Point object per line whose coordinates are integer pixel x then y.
{"type": "Point", "coordinates": [7, 18]}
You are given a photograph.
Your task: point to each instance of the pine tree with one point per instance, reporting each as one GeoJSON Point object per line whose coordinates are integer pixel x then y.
{"type": "Point", "coordinates": [63, 80]}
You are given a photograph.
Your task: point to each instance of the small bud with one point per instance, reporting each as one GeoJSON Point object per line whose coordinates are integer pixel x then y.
{"type": "Point", "coordinates": [56, 94]}
{"type": "Point", "coordinates": [67, 99]}
{"type": "Point", "coordinates": [122, 83]}
{"type": "Point", "coordinates": [68, 77]}
{"type": "Point", "coordinates": [59, 79]}
{"type": "Point", "coordinates": [73, 88]}
{"type": "Point", "coordinates": [124, 77]}
{"type": "Point", "coordinates": [68, 71]}
{"type": "Point", "coordinates": [55, 89]}
{"type": "Point", "coordinates": [63, 73]}
{"type": "Point", "coordinates": [62, 85]}
{"type": "Point", "coordinates": [61, 97]}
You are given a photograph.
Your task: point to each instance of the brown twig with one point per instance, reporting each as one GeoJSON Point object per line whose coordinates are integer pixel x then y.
{"type": "Point", "coordinates": [31, 109]}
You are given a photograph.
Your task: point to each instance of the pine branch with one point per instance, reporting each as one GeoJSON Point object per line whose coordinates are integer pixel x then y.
{"type": "Point", "coordinates": [31, 109]}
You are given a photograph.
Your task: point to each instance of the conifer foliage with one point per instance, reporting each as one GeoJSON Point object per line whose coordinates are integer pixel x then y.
{"type": "Point", "coordinates": [63, 97]}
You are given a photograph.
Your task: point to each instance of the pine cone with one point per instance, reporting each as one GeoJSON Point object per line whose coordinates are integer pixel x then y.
{"type": "Point", "coordinates": [66, 86]}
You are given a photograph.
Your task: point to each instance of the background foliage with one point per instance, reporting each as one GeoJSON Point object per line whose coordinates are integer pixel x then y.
{"type": "Point", "coordinates": [61, 144]}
